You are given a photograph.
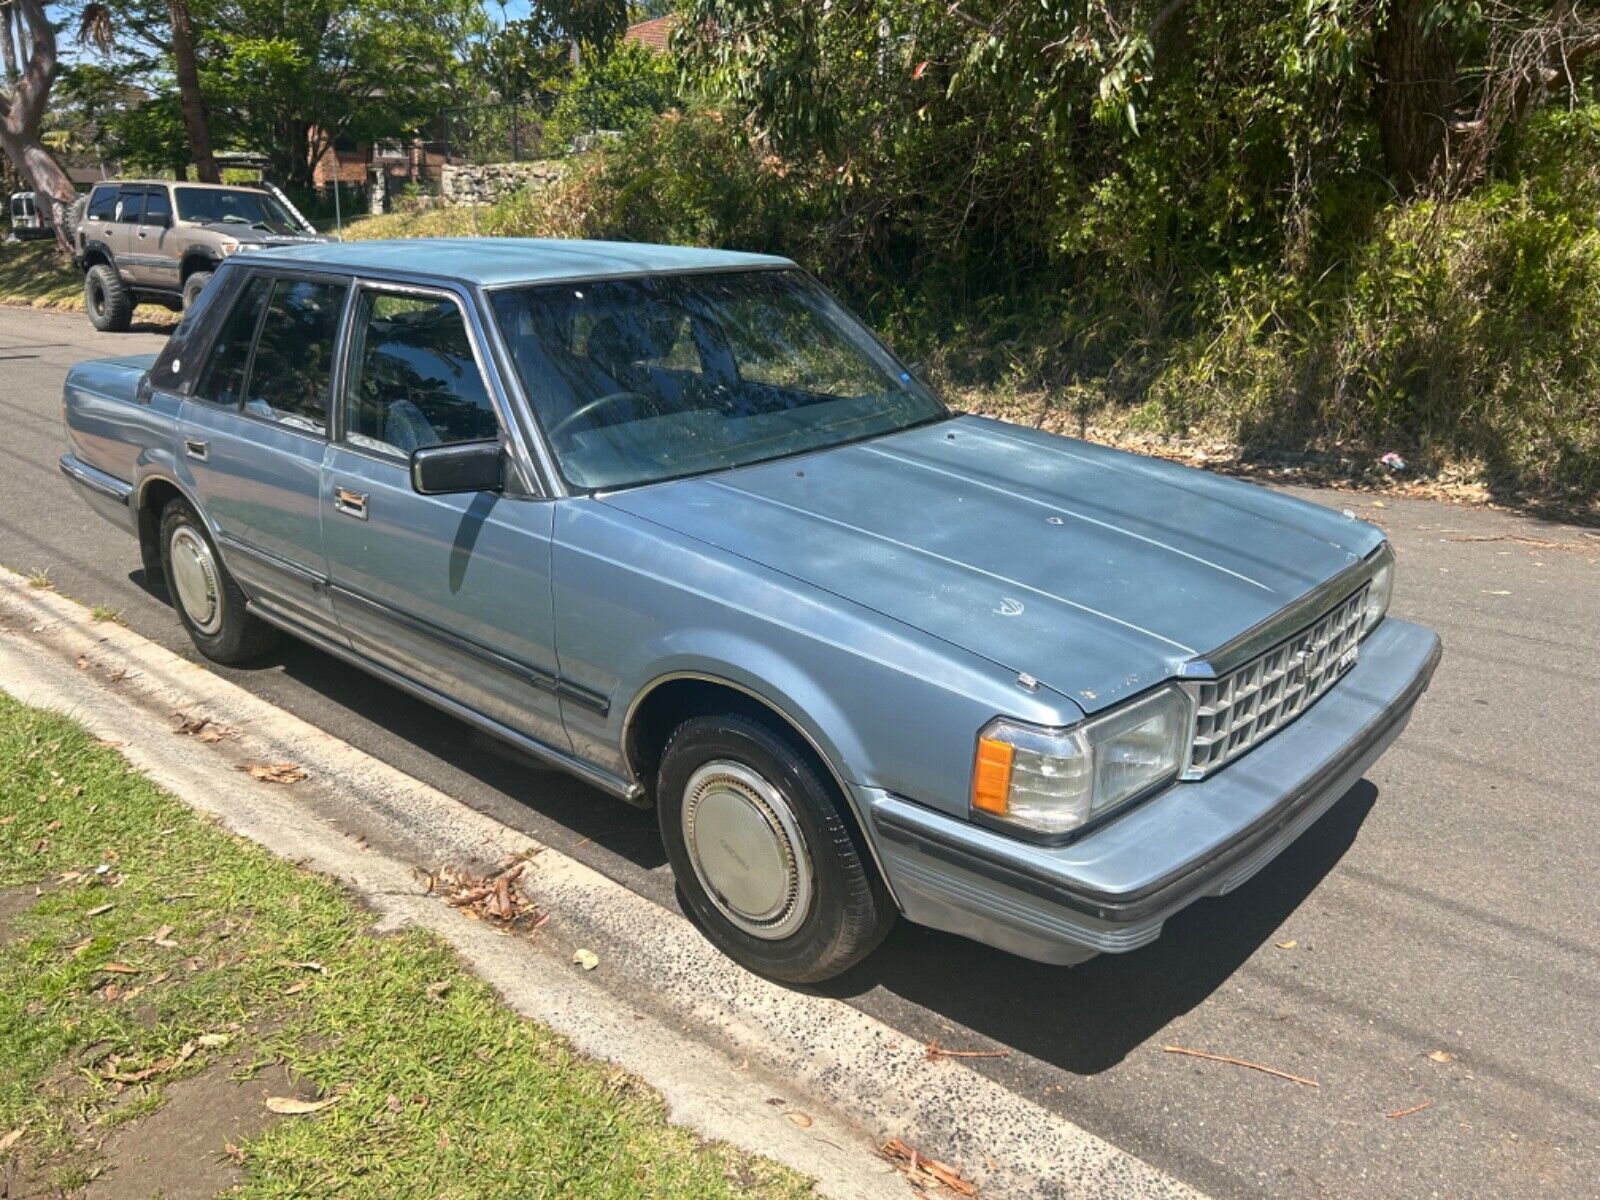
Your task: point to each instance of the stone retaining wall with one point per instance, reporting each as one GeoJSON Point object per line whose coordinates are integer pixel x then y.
{"type": "Point", "coordinates": [487, 182]}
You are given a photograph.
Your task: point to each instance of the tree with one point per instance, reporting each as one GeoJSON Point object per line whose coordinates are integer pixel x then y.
{"type": "Point", "coordinates": [186, 68]}
{"type": "Point", "coordinates": [22, 110]}
{"type": "Point", "coordinates": [296, 79]}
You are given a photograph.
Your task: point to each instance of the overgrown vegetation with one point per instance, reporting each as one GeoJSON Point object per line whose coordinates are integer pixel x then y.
{"type": "Point", "coordinates": [158, 949]}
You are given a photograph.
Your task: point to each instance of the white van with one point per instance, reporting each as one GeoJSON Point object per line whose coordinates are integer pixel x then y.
{"type": "Point", "coordinates": [29, 219]}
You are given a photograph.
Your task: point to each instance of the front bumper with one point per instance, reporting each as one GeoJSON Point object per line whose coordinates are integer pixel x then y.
{"type": "Point", "coordinates": [1112, 890]}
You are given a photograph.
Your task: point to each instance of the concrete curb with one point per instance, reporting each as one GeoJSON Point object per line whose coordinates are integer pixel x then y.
{"type": "Point", "coordinates": [732, 1054]}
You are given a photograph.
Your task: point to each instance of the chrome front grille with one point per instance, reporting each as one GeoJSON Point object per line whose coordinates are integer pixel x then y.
{"type": "Point", "coordinates": [1254, 701]}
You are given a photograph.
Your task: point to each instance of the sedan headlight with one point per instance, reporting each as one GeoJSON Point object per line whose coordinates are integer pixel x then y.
{"type": "Point", "coordinates": [1051, 781]}
{"type": "Point", "coordinates": [1379, 589]}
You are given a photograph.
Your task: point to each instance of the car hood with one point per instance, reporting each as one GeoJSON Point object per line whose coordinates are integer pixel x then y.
{"type": "Point", "coordinates": [249, 235]}
{"type": "Point", "coordinates": [1098, 572]}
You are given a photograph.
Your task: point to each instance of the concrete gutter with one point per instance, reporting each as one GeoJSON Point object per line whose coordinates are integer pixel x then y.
{"type": "Point", "coordinates": [735, 1057]}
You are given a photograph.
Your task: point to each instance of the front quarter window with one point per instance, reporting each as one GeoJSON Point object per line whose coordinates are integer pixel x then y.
{"type": "Point", "coordinates": [640, 380]}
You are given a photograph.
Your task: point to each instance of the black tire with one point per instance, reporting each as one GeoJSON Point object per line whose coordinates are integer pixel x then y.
{"type": "Point", "coordinates": [193, 286]}
{"type": "Point", "coordinates": [227, 633]}
{"type": "Point", "coordinates": [107, 299]}
{"type": "Point", "coordinates": [849, 911]}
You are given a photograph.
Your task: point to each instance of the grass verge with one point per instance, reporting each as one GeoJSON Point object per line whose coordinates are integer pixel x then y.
{"type": "Point", "coordinates": [32, 273]}
{"type": "Point", "coordinates": [142, 947]}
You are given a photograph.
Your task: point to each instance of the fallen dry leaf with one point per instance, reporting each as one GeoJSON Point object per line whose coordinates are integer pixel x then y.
{"type": "Point", "coordinates": [161, 1065]}
{"type": "Point", "coordinates": [213, 1040]}
{"type": "Point", "coordinates": [587, 959]}
{"type": "Point", "coordinates": [234, 1153]}
{"type": "Point", "coordinates": [101, 911]}
{"type": "Point", "coordinates": [498, 897]}
{"type": "Point", "coordinates": [202, 729]}
{"type": "Point", "coordinates": [1441, 1056]}
{"type": "Point", "coordinates": [308, 966]}
{"type": "Point", "coordinates": [295, 989]}
{"type": "Point", "coordinates": [284, 772]}
{"type": "Point", "coordinates": [290, 1106]}
{"type": "Point", "coordinates": [925, 1172]}
{"type": "Point", "coordinates": [800, 1119]}
{"type": "Point", "coordinates": [10, 1140]}
{"type": "Point", "coordinates": [1289, 945]}
{"type": "Point", "coordinates": [120, 968]}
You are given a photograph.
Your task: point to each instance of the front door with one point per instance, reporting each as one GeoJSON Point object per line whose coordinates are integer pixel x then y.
{"type": "Point", "coordinates": [452, 592]}
{"type": "Point", "coordinates": [253, 437]}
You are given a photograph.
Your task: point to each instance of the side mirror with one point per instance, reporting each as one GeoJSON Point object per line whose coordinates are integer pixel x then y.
{"type": "Point", "coordinates": [463, 467]}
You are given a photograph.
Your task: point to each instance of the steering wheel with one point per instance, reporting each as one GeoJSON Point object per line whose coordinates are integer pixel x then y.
{"type": "Point", "coordinates": [592, 406]}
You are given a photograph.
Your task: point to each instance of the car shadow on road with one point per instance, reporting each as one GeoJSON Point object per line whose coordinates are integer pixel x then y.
{"type": "Point", "coordinates": [1086, 1019]}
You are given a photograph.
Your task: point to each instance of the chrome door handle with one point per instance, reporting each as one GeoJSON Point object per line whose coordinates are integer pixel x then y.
{"type": "Point", "coordinates": [195, 448]}
{"type": "Point", "coordinates": [352, 504]}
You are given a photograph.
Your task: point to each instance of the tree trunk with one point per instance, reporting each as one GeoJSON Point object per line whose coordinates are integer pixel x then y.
{"type": "Point", "coordinates": [8, 43]}
{"type": "Point", "coordinates": [189, 97]}
{"type": "Point", "coordinates": [22, 111]}
{"type": "Point", "coordinates": [1414, 93]}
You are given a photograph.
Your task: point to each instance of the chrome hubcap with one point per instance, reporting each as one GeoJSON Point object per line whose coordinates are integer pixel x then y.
{"type": "Point", "coordinates": [194, 574]}
{"type": "Point", "coordinates": [747, 851]}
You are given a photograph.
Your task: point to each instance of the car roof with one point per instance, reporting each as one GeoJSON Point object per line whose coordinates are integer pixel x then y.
{"type": "Point", "coordinates": [492, 261]}
{"type": "Point", "coordinates": [183, 183]}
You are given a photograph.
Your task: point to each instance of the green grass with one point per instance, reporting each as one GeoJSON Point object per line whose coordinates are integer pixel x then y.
{"type": "Point", "coordinates": [444, 1092]}
{"type": "Point", "coordinates": [32, 273]}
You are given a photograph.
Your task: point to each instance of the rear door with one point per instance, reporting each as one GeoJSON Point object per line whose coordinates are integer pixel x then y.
{"type": "Point", "coordinates": [452, 592]}
{"type": "Point", "coordinates": [120, 233]}
{"type": "Point", "coordinates": [253, 435]}
{"type": "Point", "coordinates": [152, 243]}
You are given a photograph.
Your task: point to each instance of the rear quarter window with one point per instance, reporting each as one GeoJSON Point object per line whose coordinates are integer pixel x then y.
{"type": "Point", "coordinates": [103, 204]}
{"type": "Point", "coordinates": [222, 379]}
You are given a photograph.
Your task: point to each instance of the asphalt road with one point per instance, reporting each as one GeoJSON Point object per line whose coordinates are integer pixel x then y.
{"type": "Point", "coordinates": [1434, 940]}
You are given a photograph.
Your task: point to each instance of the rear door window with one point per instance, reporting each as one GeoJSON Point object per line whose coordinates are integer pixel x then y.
{"type": "Point", "coordinates": [222, 379]}
{"type": "Point", "coordinates": [414, 381]}
{"type": "Point", "coordinates": [292, 372]}
{"type": "Point", "coordinates": [130, 205]}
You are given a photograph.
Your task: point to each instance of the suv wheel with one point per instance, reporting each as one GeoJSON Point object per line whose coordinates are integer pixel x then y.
{"type": "Point", "coordinates": [765, 858]}
{"type": "Point", "coordinates": [209, 603]}
{"type": "Point", "coordinates": [193, 286]}
{"type": "Point", "coordinates": [107, 299]}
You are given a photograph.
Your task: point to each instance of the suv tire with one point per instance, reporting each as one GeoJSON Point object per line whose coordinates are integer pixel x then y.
{"type": "Point", "coordinates": [210, 604]}
{"type": "Point", "coordinates": [193, 286]}
{"type": "Point", "coordinates": [767, 862]}
{"type": "Point", "coordinates": [107, 300]}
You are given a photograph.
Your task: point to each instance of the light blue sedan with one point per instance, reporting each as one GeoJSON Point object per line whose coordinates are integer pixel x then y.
{"type": "Point", "coordinates": [676, 521]}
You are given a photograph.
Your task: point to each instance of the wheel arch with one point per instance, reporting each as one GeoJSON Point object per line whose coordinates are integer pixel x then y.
{"type": "Point", "coordinates": [195, 261]}
{"type": "Point", "coordinates": [154, 492]}
{"type": "Point", "coordinates": [675, 696]}
{"type": "Point", "coordinates": [97, 254]}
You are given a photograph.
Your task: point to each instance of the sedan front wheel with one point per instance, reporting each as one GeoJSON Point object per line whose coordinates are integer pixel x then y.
{"type": "Point", "coordinates": [766, 859]}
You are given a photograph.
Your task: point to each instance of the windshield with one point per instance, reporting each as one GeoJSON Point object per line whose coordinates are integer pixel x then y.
{"type": "Point", "coordinates": [639, 380]}
{"type": "Point", "coordinates": [236, 207]}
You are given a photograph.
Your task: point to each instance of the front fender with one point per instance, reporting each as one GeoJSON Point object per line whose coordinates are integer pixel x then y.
{"type": "Point", "coordinates": [887, 705]}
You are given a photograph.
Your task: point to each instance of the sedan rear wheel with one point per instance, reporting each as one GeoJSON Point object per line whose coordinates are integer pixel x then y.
{"type": "Point", "coordinates": [767, 859]}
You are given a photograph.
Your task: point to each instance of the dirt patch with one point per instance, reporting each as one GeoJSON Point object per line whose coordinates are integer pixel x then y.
{"type": "Point", "coordinates": [181, 1151]}
{"type": "Point", "coordinates": [14, 901]}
